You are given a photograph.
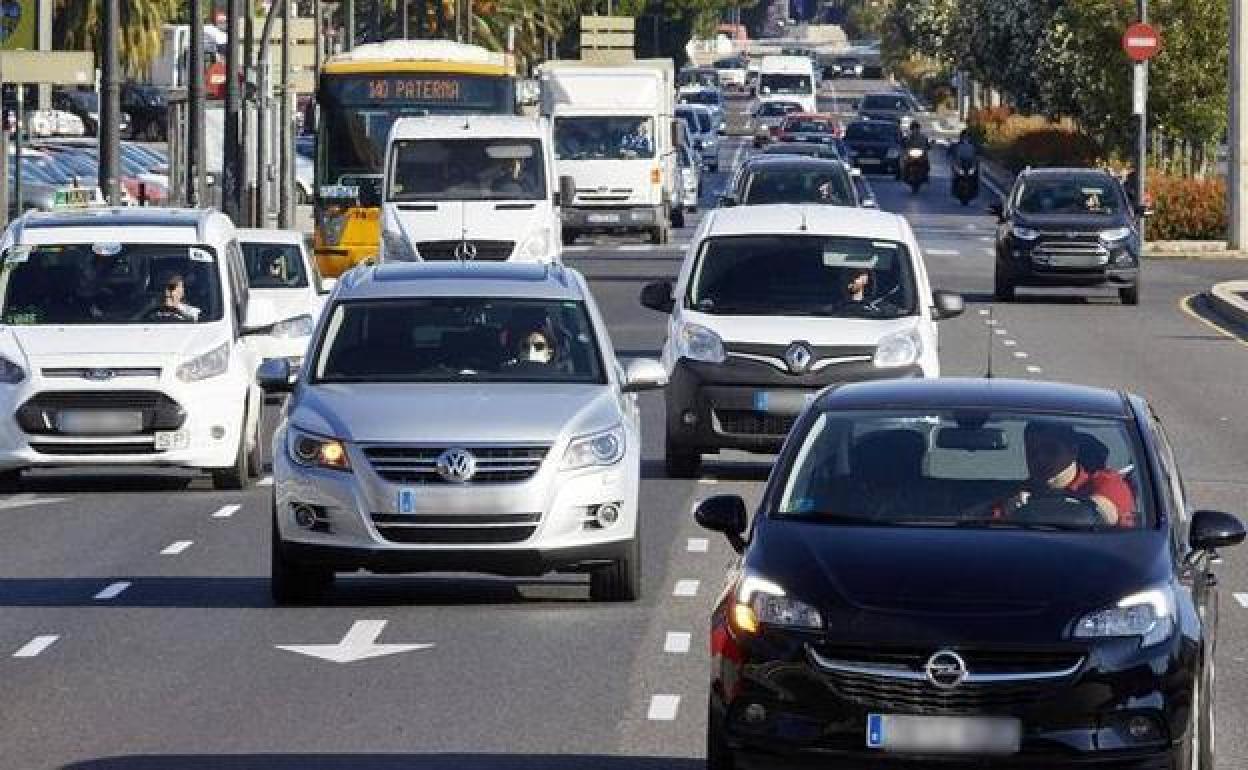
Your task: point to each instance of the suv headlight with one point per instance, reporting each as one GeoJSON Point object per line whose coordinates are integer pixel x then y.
{"type": "Point", "coordinates": [699, 344]}
{"type": "Point", "coordinates": [206, 365]}
{"type": "Point", "coordinates": [901, 349]}
{"type": "Point", "coordinates": [605, 448]}
{"type": "Point", "coordinates": [1147, 614]}
{"type": "Point", "coordinates": [537, 245]}
{"type": "Point", "coordinates": [395, 247]}
{"type": "Point", "coordinates": [299, 326]}
{"type": "Point", "coordinates": [760, 601]}
{"type": "Point", "coordinates": [312, 451]}
{"type": "Point", "coordinates": [11, 373]}
{"type": "Point", "coordinates": [1115, 234]}
{"type": "Point", "coordinates": [1024, 233]}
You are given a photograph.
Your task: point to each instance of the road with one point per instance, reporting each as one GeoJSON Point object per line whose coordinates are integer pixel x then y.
{"type": "Point", "coordinates": [136, 630]}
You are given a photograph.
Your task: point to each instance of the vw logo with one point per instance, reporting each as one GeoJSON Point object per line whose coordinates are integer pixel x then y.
{"type": "Point", "coordinates": [457, 465]}
{"type": "Point", "coordinates": [99, 374]}
{"type": "Point", "coordinates": [466, 251]}
{"type": "Point", "coordinates": [798, 357]}
{"type": "Point", "coordinates": [945, 669]}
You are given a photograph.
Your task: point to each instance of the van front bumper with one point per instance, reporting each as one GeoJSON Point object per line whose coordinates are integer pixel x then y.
{"type": "Point", "coordinates": [582, 219]}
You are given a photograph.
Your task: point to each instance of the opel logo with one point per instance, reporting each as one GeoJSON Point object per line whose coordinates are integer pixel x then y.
{"type": "Point", "coordinates": [945, 669]}
{"type": "Point", "coordinates": [99, 374]}
{"type": "Point", "coordinates": [798, 357]}
{"type": "Point", "coordinates": [466, 251]}
{"type": "Point", "coordinates": [457, 465]}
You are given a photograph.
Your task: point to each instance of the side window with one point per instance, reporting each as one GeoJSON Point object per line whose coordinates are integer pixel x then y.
{"type": "Point", "coordinates": [1170, 470]}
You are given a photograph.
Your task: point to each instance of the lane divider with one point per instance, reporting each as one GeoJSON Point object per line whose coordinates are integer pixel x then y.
{"type": "Point", "coordinates": [663, 708]}
{"type": "Point", "coordinates": [173, 549]}
{"type": "Point", "coordinates": [35, 646]}
{"type": "Point", "coordinates": [113, 591]}
{"type": "Point", "coordinates": [677, 642]}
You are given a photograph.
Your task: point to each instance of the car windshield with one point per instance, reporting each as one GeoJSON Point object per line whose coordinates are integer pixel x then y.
{"type": "Point", "coordinates": [968, 468]}
{"type": "Point", "coordinates": [709, 98]}
{"type": "Point", "coordinates": [827, 183]}
{"type": "Point", "coordinates": [803, 275]}
{"type": "Point", "coordinates": [611, 138]}
{"type": "Point", "coordinates": [1070, 195]}
{"type": "Point", "coordinates": [888, 102]}
{"type": "Point", "coordinates": [466, 169]}
{"type": "Point", "coordinates": [795, 148]}
{"type": "Point", "coordinates": [807, 126]}
{"type": "Point", "coordinates": [871, 132]}
{"type": "Point", "coordinates": [777, 109]}
{"type": "Point", "coordinates": [776, 83]}
{"type": "Point", "coordinates": [459, 340]}
{"type": "Point", "coordinates": [274, 265]}
{"type": "Point", "coordinates": [109, 283]}
{"type": "Point", "coordinates": [698, 121]}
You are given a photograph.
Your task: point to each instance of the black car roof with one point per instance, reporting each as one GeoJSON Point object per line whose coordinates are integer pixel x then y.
{"type": "Point", "coordinates": [781, 160]}
{"type": "Point", "coordinates": [1065, 171]}
{"type": "Point", "coordinates": [969, 393]}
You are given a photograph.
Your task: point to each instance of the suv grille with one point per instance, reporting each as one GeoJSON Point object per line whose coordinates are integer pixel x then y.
{"type": "Point", "coordinates": [1070, 252]}
{"type": "Point", "coordinates": [444, 251]}
{"type": "Point", "coordinates": [419, 465]}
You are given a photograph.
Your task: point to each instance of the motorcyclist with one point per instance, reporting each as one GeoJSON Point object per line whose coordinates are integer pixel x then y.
{"type": "Point", "coordinates": [915, 140]}
{"type": "Point", "coordinates": [963, 151]}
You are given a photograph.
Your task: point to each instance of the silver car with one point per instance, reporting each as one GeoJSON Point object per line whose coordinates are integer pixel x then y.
{"type": "Point", "coordinates": [462, 417]}
{"type": "Point", "coordinates": [702, 129]}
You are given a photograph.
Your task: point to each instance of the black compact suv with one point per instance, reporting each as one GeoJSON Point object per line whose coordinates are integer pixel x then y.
{"type": "Point", "coordinates": [1067, 227]}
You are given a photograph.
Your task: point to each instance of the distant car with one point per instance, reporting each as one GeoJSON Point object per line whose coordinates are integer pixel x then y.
{"type": "Point", "coordinates": [809, 127]}
{"type": "Point", "coordinates": [280, 270]}
{"type": "Point", "coordinates": [847, 67]}
{"type": "Point", "coordinates": [876, 146]}
{"type": "Point", "coordinates": [767, 117]}
{"type": "Point", "coordinates": [701, 125]}
{"type": "Point", "coordinates": [894, 105]}
{"type": "Point", "coordinates": [54, 122]}
{"type": "Point", "coordinates": [766, 179]}
{"type": "Point", "coordinates": [698, 77]}
{"type": "Point", "coordinates": [690, 177]}
{"type": "Point", "coordinates": [148, 107]}
{"type": "Point", "coordinates": [710, 98]}
{"type": "Point", "coordinates": [85, 103]}
{"type": "Point", "coordinates": [808, 149]}
{"type": "Point", "coordinates": [732, 73]}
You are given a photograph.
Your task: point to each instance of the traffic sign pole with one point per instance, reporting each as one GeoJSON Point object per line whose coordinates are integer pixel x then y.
{"type": "Point", "coordinates": [1141, 42]}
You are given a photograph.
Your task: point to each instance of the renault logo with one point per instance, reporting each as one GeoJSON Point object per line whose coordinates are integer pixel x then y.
{"type": "Point", "coordinates": [457, 465]}
{"type": "Point", "coordinates": [798, 357]}
{"type": "Point", "coordinates": [945, 669]}
{"type": "Point", "coordinates": [466, 251]}
{"type": "Point", "coordinates": [99, 374]}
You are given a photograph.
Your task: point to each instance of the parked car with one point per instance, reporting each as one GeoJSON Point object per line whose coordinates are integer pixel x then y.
{"type": "Point", "coordinates": [85, 103]}
{"type": "Point", "coordinates": [148, 107]}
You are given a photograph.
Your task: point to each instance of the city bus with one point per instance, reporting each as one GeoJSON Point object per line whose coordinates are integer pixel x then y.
{"type": "Point", "coordinates": [359, 96]}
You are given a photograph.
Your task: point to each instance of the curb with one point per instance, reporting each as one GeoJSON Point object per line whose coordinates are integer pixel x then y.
{"type": "Point", "coordinates": [1227, 302]}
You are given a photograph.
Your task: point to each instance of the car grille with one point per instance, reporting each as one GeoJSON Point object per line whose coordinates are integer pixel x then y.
{"type": "Point", "coordinates": [1070, 252]}
{"type": "Point", "coordinates": [444, 251]}
{"type": "Point", "coordinates": [613, 195]}
{"type": "Point", "coordinates": [418, 464]}
{"type": "Point", "coordinates": [467, 529]}
{"type": "Point", "coordinates": [744, 422]}
{"type": "Point", "coordinates": [38, 416]}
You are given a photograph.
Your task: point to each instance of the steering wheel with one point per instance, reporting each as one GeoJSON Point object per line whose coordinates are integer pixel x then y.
{"type": "Point", "coordinates": [163, 313]}
{"type": "Point", "coordinates": [1060, 509]}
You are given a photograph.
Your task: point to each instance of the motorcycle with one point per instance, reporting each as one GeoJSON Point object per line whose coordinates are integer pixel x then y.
{"type": "Point", "coordinates": [915, 168]}
{"type": "Point", "coordinates": [966, 181]}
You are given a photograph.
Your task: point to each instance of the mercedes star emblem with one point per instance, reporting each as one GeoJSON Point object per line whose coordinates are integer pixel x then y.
{"type": "Point", "coordinates": [457, 465]}
{"type": "Point", "coordinates": [466, 251]}
{"type": "Point", "coordinates": [945, 669]}
{"type": "Point", "coordinates": [798, 357]}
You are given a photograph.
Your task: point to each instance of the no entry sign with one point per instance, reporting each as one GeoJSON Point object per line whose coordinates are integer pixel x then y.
{"type": "Point", "coordinates": [1141, 42]}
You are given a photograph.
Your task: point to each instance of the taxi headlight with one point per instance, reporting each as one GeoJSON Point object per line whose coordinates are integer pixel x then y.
{"type": "Point", "coordinates": [605, 448]}
{"type": "Point", "coordinates": [206, 365]}
{"type": "Point", "coordinates": [299, 326]}
{"type": "Point", "coordinates": [396, 248]}
{"type": "Point", "coordinates": [901, 349]}
{"type": "Point", "coordinates": [312, 451]}
{"type": "Point", "coordinates": [1148, 615]}
{"type": "Point", "coordinates": [537, 245]}
{"type": "Point", "coordinates": [699, 344]}
{"type": "Point", "coordinates": [11, 373]}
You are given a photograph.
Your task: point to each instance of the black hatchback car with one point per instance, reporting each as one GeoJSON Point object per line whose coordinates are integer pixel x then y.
{"type": "Point", "coordinates": [876, 146]}
{"type": "Point", "coordinates": [968, 573]}
{"type": "Point", "coordinates": [766, 179]}
{"type": "Point", "coordinates": [1067, 227]}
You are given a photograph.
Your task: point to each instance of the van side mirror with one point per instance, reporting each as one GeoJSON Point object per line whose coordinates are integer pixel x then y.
{"type": "Point", "coordinates": [1212, 530]}
{"type": "Point", "coordinates": [643, 374]}
{"type": "Point", "coordinates": [946, 304]}
{"type": "Point", "coordinates": [275, 376]}
{"type": "Point", "coordinates": [567, 191]}
{"type": "Point", "coordinates": [658, 296]}
{"type": "Point", "coordinates": [726, 515]}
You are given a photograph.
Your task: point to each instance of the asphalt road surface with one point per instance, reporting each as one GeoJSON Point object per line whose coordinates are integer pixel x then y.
{"type": "Point", "coordinates": [136, 630]}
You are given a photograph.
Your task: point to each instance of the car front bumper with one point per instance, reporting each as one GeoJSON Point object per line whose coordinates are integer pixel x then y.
{"type": "Point", "coordinates": [1028, 264]}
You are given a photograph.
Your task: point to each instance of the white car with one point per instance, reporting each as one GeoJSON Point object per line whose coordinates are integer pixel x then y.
{"type": "Point", "coordinates": [776, 302]}
{"type": "Point", "coordinates": [690, 177]}
{"type": "Point", "coordinates": [120, 334]}
{"type": "Point", "coordinates": [280, 270]}
{"type": "Point", "coordinates": [43, 123]}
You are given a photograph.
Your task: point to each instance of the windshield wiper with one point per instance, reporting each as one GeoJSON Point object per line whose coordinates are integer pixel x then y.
{"type": "Point", "coordinates": [874, 304]}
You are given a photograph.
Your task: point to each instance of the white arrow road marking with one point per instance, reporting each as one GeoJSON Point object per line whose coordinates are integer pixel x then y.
{"type": "Point", "coordinates": [677, 642]}
{"type": "Point", "coordinates": [35, 646]}
{"type": "Point", "coordinates": [360, 643]}
{"type": "Point", "coordinates": [686, 588]}
{"type": "Point", "coordinates": [698, 545]}
{"type": "Point", "coordinates": [23, 500]}
{"type": "Point", "coordinates": [1242, 599]}
{"type": "Point", "coordinates": [113, 591]}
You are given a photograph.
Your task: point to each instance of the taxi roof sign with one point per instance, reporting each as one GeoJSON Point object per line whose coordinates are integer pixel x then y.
{"type": "Point", "coordinates": [77, 198]}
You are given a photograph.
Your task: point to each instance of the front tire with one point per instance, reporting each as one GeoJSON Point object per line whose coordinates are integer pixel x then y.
{"type": "Point", "coordinates": [619, 581]}
{"type": "Point", "coordinates": [1002, 286]}
{"type": "Point", "coordinates": [1129, 295]}
{"type": "Point", "coordinates": [291, 582]}
{"type": "Point", "coordinates": [678, 217]}
{"type": "Point", "coordinates": [11, 481]}
{"type": "Point", "coordinates": [568, 237]}
{"type": "Point", "coordinates": [681, 462]}
{"type": "Point", "coordinates": [236, 476]}
{"type": "Point", "coordinates": [661, 234]}
{"type": "Point", "coordinates": [718, 755]}
{"type": "Point", "coordinates": [255, 456]}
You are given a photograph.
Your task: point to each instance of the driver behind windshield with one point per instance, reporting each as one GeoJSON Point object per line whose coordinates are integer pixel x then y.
{"type": "Point", "coordinates": [172, 304]}
{"type": "Point", "coordinates": [856, 284]}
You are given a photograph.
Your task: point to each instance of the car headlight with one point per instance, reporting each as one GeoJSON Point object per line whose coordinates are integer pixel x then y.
{"type": "Point", "coordinates": [312, 451]}
{"type": "Point", "coordinates": [699, 344]}
{"type": "Point", "coordinates": [1147, 614]}
{"type": "Point", "coordinates": [1115, 234]}
{"type": "Point", "coordinates": [914, 152]}
{"type": "Point", "coordinates": [537, 245]}
{"type": "Point", "coordinates": [395, 247]}
{"type": "Point", "coordinates": [206, 365]}
{"type": "Point", "coordinates": [605, 448]}
{"type": "Point", "coordinates": [1024, 233]}
{"type": "Point", "coordinates": [894, 152]}
{"type": "Point", "coordinates": [902, 349]}
{"type": "Point", "coordinates": [760, 601]}
{"type": "Point", "coordinates": [299, 326]}
{"type": "Point", "coordinates": [11, 373]}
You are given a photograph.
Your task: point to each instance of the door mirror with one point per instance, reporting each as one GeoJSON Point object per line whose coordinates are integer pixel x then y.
{"type": "Point", "coordinates": [727, 201]}
{"type": "Point", "coordinates": [1213, 529]}
{"type": "Point", "coordinates": [726, 515]}
{"type": "Point", "coordinates": [275, 376]}
{"type": "Point", "coordinates": [567, 191]}
{"type": "Point", "coordinates": [997, 210]}
{"type": "Point", "coordinates": [643, 374]}
{"type": "Point", "coordinates": [327, 285]}
{"type": "Point", "coordinates": [946, 304]}
{"type": "Point", "coordinates": [658, 296]}
{"type": "Point", "coordinates": [260, 316]}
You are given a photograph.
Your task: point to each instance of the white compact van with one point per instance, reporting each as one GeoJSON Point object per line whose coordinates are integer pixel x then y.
{"type": "Point", "coordinates": [792, 77]}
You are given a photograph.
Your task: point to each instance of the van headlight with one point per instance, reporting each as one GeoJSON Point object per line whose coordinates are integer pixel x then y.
{"type": "Point", "coordinates": [395, 247]}
{"type": "Point", "coordinates": [11, 373]}
{"type": "Point", "coordinates": [699, 344]}
{"type": "Point", "coordinates": [902, 349]}
{"type": "Point", "coordinates": [604, 448]}
{"type": "Point", "coordinates": [299, 326]}
{"type": "Point", "coordinates": [313, 451]}
{"type": "Point", "coordinates": [1147, 614]}
{"type": "Point", "coordinates": [206, 365]}
{"type": "Point", "coordinates": [537, 246]}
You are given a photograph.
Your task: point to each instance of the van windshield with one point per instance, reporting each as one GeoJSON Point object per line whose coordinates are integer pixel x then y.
{"type": "Point", "coordinates": [109, 283]}
{"type": "Point", "coordinates": [466, 170]}
{"type": "Point", "coordinates": [609, 138]}
{"type": "Point", "coordinates": [774, 83]}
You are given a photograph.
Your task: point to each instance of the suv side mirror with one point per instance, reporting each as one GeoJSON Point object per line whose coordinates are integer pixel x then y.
{"type": "Point", "coordinates": [275, 376]}
{"type": "Point", "coordinates": [725, 514]}
{"type": "Point", "coordinates": [1214, 529]}
{"type": "Point", "coordinates": [643, 374]}
{"type": "Point", "coordinates": [658, 296]}
{"type": "Point", "coordinates": [567, 191]}
{"type": "Point", "coordinates": [946, 304]}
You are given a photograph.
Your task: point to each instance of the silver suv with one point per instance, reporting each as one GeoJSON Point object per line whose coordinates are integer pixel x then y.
{"type": "Point", "coordinates": [458, 417]}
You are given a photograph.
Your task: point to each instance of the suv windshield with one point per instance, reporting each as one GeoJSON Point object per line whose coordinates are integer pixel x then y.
{"type": "Point", "coordinates": [1083, 194]}
{"type": "Point", "coordinates": [887, 102]}
{"type": "Point", "coordinates": [460, 339]}
{"type": "Point", "coordinates": [109, 283]}
{"type": "Point", "coordinates": [827, 183]}
{"type": "Point", "coordinates": [805, 275]}
{"type": "Point", "coordinates": [968, 468]}
{"type": "Point", "coordinates": [274, 265]}
{"type": "Point", "coordinates": [871, 132]}
{"type": "Point", "coordinates": [467, 169]}
{"type": "Point", "coordinates": [613, 138]}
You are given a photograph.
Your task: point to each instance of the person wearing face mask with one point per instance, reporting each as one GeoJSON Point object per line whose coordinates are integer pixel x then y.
{"type": "Point", "coordinates": [536, 348]}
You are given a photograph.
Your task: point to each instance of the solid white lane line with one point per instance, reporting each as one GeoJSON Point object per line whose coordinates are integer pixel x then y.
{"type": "Point", "coordinates": [1019, 354]}
{"type": "Point", "coordinates": [686, 588]}
{"type": "Point", "coordinates": [663, 708]}
{"type": "Point", "coordinates": [984, 311]}
{"type": "Point", "coordinates": [677, 642]}
{"type": "Point", "coordinates": [36, 646]}
{"type": "Point", "coordinates": [991, 322]}
{"type": "Point", "coordinates": [227, 511]}
{"type": "Point", "coordinates": [942, 252]}
{"type": "Point", "coordinates": [173, 549]}
{"type": "Point", "coordinates": [1034, 369]}
{"type": "Point", "coordinates": [698, 545]}
{"type": "Point", "coordinates": [1242, 599]}
{"type": "Point", "coordinates": [267, 481]}
{"type": "Point", "coordinates": [113, 591]}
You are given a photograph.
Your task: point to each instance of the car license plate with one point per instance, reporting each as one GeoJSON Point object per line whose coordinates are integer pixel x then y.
{"type": "Point", "coordinates": [406, 502]}
{"type": "Point", "coordinates": [165, 440]}
{"type": "Point", "coordinates": [602, 218]}
{"type": "Point", "coordinates": [943, 735]}
{"type": "Point", "coordinates": [97, 422]}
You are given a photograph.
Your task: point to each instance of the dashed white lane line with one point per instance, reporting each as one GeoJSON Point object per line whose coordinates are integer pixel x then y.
{"type": "Point", "coordinates": [698, 545]}
{"type": "Point", "coordinates": [677, 642]}
{"type": "Point", "coordinates": [173, 549]}
{"type": "Point", "coordinates": [1001, 332]}
{"type": "Point", "coordinates": [984, 311]}
{"type": "Point", "coordinates": [1019, 354]}
{"type": "Point", "coordinates": [1242, 599]}
{"type": "Point", "coordinates": [663, 708]}
{"type": "Point", "coordinates": [992, 322]}
{"type": "Point", "coordinates": [227, 511]}
{"type": "Point", "coordinates": [686, 588]}
{"type": "Point", "coordinates": [267, 481]}
{"type": "Point", "coordinates": [35, 646]}
{"type": "Point", "coordinates": [1009, 343]}
{"type": "Point", "coordinates": [113, 590]}
{"type": "Point", "coordinates": [988, 252]}
{"type": "Point", "coordinates": [942, 252]}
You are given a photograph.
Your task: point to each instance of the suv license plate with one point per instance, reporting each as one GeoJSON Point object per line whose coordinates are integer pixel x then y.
{"type": "Point", "coordinates": [944, 735]}
{"type": "Point", "coordinates": [99, 423]}
{"type": "Point", "coordinates": [165, 440]}
{"type": "Point", "coordinates": [406, 502]}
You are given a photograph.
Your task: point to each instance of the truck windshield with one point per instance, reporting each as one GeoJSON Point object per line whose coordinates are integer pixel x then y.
{"type": "Point", "coordinates": [466, 170]}
{"type": "Point", "coordinates": [774, 83]}
{"type": "Point", "coordinates": [613, 138]}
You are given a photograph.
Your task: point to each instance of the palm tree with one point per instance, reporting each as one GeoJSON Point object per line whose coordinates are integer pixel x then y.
{"type": "Point", "coordinates": [77, 26]}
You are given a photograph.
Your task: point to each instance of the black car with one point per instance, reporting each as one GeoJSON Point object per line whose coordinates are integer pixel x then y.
{"type": "Point", "coordinates": [828, 151]}
{"type": "Point", "coordinates": [148, 107]}
{"type": "Point", "coordinates": [876, 146]}
{"type": "Point", "coordinates": [85, 103]}
{"type": "Point", "coordinates": [1067, 227]}
{"type": "Point", "coordinates": [847, 67]}
{"type": "Point", "coordinates": [768, 179]}
{"type": "Point", "coordinates": [906, 591]}
{"type": "Point", "coordinates": [898, 107]}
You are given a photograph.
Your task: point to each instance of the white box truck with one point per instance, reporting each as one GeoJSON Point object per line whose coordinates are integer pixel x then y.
{"type": "Point", "coordinates": [614, 135]}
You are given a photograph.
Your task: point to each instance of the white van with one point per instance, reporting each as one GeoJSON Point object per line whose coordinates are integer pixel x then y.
{"type": "Point", "coordinates": [120, 334]}
{"type": "Point", "coordinates": [476, 187]}
{"type": "Point", "coordinates": [791, 77]}
{"type": "Point", "coordinates": [774, 303]}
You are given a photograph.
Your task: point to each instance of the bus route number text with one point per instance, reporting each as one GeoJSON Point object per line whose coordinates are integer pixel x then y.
{"type": "Point", "coordinates": [415, 89]}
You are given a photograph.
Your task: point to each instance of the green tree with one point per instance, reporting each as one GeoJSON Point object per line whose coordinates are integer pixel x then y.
{"type": "Point", "coordinates": [77, 27]}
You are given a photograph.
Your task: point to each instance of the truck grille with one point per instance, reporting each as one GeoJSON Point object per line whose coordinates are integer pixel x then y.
{"type": "Point", "coordinates": [444, 251]}
{"type": "Point", "coordinates": [419, 465]}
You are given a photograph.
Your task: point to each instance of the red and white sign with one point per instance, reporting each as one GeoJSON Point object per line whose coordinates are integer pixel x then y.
{"type": "Point", "coordinates": [1141, 42]}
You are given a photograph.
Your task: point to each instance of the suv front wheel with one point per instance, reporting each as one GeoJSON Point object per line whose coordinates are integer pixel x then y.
{"type": "Point", "coordinates": [289, 581]}
{"type": "Point", "coordinates": [619, 581]}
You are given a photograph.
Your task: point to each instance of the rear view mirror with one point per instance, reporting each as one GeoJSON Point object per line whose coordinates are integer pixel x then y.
{"type": "Point", "coordinates": [275, 376]}
{"type": "Point", "coordinates": [643, 374]}
{"type": "Point", "coordinates": [327, 285]}
{"type": "Point", "coordinates": [658, 296]}
{"type": "Point", "coordinates": [972, 439]}
{"type": "Point", "coordinates": [1213, 529]}
{"type": "Point", "coordinates": [725, 514]}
